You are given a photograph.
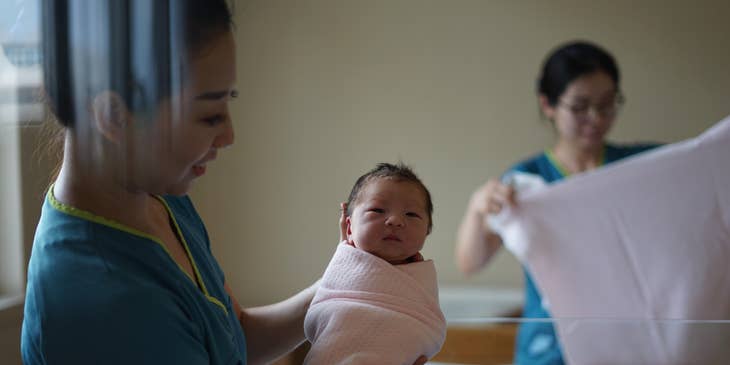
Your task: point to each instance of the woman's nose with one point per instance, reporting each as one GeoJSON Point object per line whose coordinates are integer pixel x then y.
{"type": "Point", "coordinates": [597, 116]}
{"type": "Point", "coordinates": [226, 136]}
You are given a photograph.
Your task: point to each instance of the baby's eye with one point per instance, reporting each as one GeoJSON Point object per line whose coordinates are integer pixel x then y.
{"type": "Point", "coordinates": [413, 214]}
{"type": "Point", "coordinates": [376, 210]}
{"type": "Point", "coordinates": [213, 120]}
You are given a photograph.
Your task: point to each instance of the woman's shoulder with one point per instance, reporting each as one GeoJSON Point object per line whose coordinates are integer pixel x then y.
{"type": "Point", "coordinates": [72, 246]}
{"type": "Point", "coordinates": [617, 151]}
{"type": "Point", "coordinates": [533, 164]}
{"type": "Point", "coordinates": [61, 224]}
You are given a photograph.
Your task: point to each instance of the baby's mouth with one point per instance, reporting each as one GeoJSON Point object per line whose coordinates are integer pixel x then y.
{"type": "Point", "coordinates": [392, 237]}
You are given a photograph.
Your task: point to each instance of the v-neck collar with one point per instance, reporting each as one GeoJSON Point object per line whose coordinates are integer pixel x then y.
{"type": "Point", "coordinates": [88, 216]}
{"type": "Point", "coordinates": [550, 155]}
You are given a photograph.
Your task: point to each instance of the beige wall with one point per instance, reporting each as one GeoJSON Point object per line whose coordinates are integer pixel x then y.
{"type": "Point", "coordinates": [329, 88]}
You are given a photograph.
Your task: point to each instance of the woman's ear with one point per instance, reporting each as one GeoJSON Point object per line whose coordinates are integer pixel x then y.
{"type": "Point", "coordinates": [547, 110]}
{"type": "Point", "coordinates": [111, 115]}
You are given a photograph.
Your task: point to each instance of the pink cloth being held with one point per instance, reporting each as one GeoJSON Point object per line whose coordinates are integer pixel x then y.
{"type": "Point", "coordinates": [633, 258]}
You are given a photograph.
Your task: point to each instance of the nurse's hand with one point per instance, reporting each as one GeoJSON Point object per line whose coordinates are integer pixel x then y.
{"type": "Point", "coordinates": [421, 360]}
{"type": "Point", "coordinates": [491, 197]}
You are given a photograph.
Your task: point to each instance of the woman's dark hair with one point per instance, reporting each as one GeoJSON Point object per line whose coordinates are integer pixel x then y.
{"type": "Point", "coordinates": [571, 61]}
{"type": "Point", "coordinates": [398, 172]}
{"type": "Point", "coordinates": [135, 48]}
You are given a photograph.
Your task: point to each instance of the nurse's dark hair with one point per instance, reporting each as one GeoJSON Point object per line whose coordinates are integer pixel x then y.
{"type": "Point", "coordinates": [570, 61]}
{"type": "Point", "coordinates": [398, 172]}
{"type": "Point", "coordinates": [138, 49]}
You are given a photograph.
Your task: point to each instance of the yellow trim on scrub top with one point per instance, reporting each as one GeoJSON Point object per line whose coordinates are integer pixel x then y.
{"type": "Point", "coordinates": [79, 213]}
{"type": "Point", "coordinates": [562, 170]}
{"type": "Point", "coordinates": [190, 256]}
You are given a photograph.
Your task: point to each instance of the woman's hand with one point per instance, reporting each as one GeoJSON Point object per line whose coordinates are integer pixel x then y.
{"type": "Point", "coordinates": [476, 243]}
{"type": "Point", "coordinates": [491, 197]}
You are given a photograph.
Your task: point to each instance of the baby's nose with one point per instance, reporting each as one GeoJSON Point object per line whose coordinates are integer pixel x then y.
{"type": "Point", "coordinates": [395, 220]}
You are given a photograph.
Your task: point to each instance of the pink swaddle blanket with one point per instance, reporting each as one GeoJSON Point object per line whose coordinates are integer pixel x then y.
{"type": "Point", "coordinates": [367, 311]}
{"type": "Point", "coordinates": [627, 254]}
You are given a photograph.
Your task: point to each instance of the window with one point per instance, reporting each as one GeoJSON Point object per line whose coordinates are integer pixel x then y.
{"type": "Point", "coordinates": [20, 62]}
{"type": "Point", "coordinates": [20, 107]}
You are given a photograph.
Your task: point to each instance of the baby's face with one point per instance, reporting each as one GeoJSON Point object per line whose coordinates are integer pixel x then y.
{"type": "Point", "coordinates": [389, 220]}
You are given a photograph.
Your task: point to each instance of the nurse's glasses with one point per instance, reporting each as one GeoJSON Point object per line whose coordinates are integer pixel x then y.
{"type": "Point", "coordinates": [605, 110]}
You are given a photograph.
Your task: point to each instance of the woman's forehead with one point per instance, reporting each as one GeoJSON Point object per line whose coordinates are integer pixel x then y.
{"type": "Point", "coordinates": [595, 85]}
{"type": "Point", "coordinates": [212, 72]}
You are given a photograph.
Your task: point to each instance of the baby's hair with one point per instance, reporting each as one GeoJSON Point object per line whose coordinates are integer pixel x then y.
{"type": "Point", "coordinates": [399, 172]}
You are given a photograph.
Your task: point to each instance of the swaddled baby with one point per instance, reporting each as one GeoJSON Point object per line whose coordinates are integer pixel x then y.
{"type": "Point", "coordinates": [378, 299]}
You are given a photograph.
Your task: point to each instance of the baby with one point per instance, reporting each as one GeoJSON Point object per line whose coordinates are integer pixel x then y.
{"type": "Point", "coordinates": [378, 299]}
{"type": "Point", "coordinates": [389, 214]}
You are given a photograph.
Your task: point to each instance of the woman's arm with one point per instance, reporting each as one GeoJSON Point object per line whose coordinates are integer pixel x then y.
{"type": "Point", "coordinates": [274, 330]}
{"type": "Point", "coordinates": [476, 243]}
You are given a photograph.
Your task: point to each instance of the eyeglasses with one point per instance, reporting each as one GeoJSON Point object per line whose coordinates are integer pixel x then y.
{"type": "Point", "coordinates": [605, 110]}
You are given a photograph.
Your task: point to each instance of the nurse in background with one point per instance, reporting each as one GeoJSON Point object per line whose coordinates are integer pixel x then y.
{"type": "Point", "coordinates": [579, 93]}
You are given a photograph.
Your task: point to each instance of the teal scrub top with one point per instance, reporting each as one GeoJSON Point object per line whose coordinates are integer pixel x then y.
{"type": "Point", "coordinates": [536, 342]}
{"type": "Point", "coordinates": [102, 293]}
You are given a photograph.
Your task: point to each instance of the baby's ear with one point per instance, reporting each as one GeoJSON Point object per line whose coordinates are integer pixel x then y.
{"type": "Point", "coordinates": [349, 230]}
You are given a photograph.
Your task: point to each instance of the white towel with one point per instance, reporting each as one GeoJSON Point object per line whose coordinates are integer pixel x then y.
{"type": "Point", "coordinates": [368, 311]}
{"type": "Point", "coordinates": [645, 242]}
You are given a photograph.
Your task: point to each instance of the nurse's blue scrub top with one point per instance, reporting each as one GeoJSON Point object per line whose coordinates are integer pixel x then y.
{"type": "Point", "coordinates": [536, 342]}
{"type": "Point", "coordinates": [102, 293]}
